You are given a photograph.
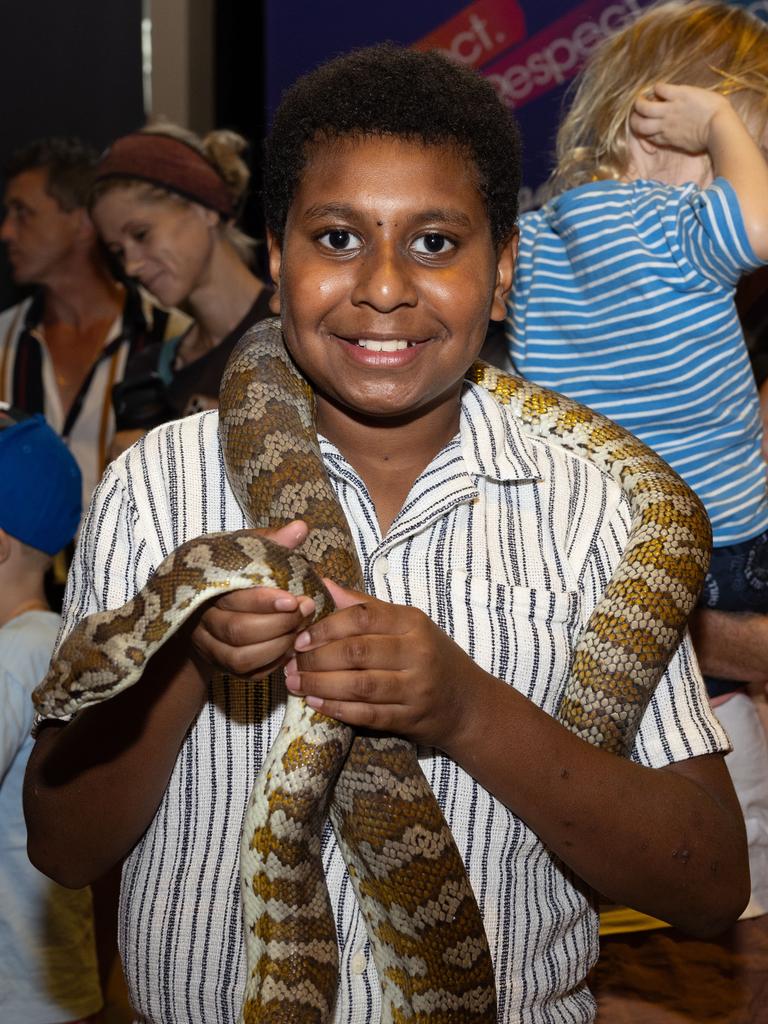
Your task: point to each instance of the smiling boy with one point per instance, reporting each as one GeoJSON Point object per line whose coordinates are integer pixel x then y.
{"type": "Point", "coordinates": [391, 190]}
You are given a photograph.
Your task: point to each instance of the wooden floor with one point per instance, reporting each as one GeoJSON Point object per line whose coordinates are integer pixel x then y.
{"type": "Point", "coordinates": [663, 977]}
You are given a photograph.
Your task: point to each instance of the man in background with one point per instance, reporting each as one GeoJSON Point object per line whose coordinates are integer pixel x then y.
{"type": "Point", "coordinates": [63, 348]}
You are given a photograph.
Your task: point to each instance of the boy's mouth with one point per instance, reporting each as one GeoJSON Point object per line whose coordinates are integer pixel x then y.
{"type": "Point", "coordinates": [372, 345]}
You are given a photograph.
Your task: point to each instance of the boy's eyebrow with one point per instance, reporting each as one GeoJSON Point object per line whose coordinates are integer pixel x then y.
{"type": "Point", "coordinates": [319, 211]}
{"type": "Point", "coordinates": [437, 214]}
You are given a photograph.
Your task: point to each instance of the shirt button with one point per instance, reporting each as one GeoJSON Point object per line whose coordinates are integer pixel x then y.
{"type": "Point", "coordinates": [382, 565]}
{"type": "Point", "coordinates": [358, 962]}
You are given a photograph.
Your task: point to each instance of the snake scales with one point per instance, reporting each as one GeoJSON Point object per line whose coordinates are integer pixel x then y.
{"type": "Point", "coordinates": [427, 935]}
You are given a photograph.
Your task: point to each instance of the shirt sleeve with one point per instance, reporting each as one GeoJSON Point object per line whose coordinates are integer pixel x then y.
{"type": "Point", "coordinates": [705, 230]}
{"type": "Point", "coordinates": [111, 560]}
{"type": "Point", "coordinates": [678, 722]}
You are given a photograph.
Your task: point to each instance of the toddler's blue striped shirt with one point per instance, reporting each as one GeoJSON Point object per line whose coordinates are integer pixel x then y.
{"type": "Point", "coordinates": [624, 300]}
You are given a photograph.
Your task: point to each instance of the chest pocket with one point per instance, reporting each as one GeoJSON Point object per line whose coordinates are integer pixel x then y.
{"type": "Point", "coordinates": [524, 635]}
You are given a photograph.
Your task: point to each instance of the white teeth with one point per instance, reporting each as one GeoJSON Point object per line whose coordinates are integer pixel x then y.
{"type": "Point", "coordinates": [382, 346]}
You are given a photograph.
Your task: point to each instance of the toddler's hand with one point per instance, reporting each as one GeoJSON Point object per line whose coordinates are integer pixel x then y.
{"type": "Point", "coordinates": [681, 116]}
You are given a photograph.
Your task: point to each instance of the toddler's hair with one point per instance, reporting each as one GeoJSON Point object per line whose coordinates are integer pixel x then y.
{"type": "Point", "coordinates": [705, 43]}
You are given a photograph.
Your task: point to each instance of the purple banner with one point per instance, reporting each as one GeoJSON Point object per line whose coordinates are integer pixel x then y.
{"type": "Point", "coordinates": [529, 50]}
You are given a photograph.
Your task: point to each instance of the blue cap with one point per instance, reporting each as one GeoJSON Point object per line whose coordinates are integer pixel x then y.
{"type": "Point", "coordinates": [40, 484]}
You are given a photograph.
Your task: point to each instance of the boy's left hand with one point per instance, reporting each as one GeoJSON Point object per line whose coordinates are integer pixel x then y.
{"type": "Point", "coordinates": [385, 667]}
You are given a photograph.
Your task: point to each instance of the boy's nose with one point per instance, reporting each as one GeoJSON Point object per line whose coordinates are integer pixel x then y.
{"type": "Point", "coordinates": [384, 279]}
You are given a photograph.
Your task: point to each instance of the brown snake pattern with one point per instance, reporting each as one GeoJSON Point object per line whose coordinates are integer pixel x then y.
{"type": "Point", "coordinates": [426, 931]}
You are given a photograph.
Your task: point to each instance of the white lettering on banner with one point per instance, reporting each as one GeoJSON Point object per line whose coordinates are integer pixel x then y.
{"type": "Point", "coordinates": [557, 61]}
{"type": "Point", "coordinates": [477, 38]}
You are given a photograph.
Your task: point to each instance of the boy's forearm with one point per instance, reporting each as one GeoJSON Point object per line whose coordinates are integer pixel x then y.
{"type": "Point", "coordinates": [94, 784]}
{"type": "Point", "coordinates": [736, 157]}
{"type": "Point", "coordinates": [669, 842]}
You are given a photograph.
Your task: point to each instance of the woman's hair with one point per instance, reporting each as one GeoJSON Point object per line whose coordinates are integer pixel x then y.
{"type": "Point", "coordinates": [705, 43]}
{"type": "Point", "coordinates": [386, 90]}
{"type": "Point", "coordinates": [221, 149]}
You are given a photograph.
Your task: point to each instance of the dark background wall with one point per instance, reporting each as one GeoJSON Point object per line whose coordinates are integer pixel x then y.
{"type": "Point", "coordinates": [69, 68]}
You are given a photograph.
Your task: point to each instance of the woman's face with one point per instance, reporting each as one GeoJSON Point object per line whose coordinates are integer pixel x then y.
{"type": "Point", "coordinates": [165, 243]}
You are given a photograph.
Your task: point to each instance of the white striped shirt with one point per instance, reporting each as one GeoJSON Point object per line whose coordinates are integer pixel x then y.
{"type": "Point", "coordinates": [624, 299]}
{"type": "Point", "coordinates": [506, 542]}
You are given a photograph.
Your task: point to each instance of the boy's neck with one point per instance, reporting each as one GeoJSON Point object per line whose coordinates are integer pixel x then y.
{"type": "Point", "coordinates": [389, 456]}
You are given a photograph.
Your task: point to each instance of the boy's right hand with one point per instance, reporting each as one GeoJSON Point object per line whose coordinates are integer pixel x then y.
{"type": "Point", "coordinates": [252, 632]}
{"type": "Point", "coordinates": [681, 116]}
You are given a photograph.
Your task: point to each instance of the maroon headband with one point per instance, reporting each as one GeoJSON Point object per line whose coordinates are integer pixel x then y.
{"type": "Point", "coordinates": [171, 164]}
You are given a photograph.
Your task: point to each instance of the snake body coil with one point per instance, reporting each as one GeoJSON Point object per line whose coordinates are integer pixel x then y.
{"type": "Point", "coordinates": [426, 931]}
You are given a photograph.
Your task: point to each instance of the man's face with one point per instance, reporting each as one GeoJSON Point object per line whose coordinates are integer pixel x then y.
{"type": "Point", "coordinates": [38, 234]}
{"type": "Point", "coordinates": [387, 276]}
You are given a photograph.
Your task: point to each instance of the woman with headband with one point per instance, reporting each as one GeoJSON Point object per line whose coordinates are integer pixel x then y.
{"type": "Point", "coordinates": [165, 204]}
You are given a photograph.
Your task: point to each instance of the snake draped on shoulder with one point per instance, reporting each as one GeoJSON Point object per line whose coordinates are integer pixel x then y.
{"type": "Point", "coordinates": [426, 931]}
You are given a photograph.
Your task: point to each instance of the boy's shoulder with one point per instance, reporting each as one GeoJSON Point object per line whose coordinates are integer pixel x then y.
{"type": "Point", "coordinates": [519, 450]}
{"type": "Point", "coordinates": [197, 432]}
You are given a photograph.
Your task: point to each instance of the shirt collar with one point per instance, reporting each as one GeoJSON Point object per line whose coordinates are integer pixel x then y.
{"type": "Point", "coordinates": [492, 443]}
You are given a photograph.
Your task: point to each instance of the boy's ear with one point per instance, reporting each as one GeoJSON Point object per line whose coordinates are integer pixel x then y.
{"type": "Point", "coordinates": [505, 269]}
{"type": "Point", "coordinates": [5, 545]}
{"type": "Point", "coordinates": [275, 262]}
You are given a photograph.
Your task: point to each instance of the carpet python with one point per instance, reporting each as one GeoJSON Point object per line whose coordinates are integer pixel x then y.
{"type": "Point", "coordinates": [426, 931]}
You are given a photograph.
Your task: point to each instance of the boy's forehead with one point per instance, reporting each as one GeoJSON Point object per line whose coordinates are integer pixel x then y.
{"type": "Point", "coordinates": [324, 152]}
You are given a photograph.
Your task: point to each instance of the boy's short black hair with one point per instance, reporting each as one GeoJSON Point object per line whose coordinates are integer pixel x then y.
{"type": "Point", "coordinates": [390, 90]}
{"type": "Point", "coordinates": [70, 164]}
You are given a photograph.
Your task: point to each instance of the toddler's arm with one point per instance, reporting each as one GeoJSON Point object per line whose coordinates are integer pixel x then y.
{"type": "Point", "coordinates": [696, 120]}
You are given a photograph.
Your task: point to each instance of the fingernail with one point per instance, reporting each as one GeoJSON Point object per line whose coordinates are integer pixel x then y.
{"type": "Point", "coordinates": [285, 604]}
{"type": "Point", "coordinates": [293, 683]}
{"type": "Point", "coordinates": [302, 640]}
{"type": "Point", "coordinates": [315, 702]}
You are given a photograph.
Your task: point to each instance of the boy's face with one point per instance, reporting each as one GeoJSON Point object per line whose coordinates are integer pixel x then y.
{"type": "Point", "coordinates": [387, 275]}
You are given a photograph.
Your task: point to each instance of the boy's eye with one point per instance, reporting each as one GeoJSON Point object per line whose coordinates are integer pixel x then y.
{"type": "Point", "coordinates": [140, 234]}
{"type": "Point", "coordinates": [433, 243]}
{"type": "Point", "coordinates": [340, 240]}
